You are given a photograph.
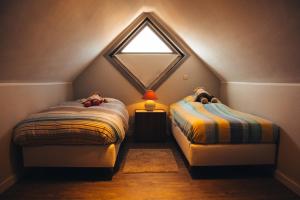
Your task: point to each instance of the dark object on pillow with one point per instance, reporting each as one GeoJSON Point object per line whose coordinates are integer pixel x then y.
{"type": "Point", "coordinates": [204, 98]}
{"type": "Point", "coordinates": [94, 100]}
{"type": "Point", "coordinates": [214, 100]}
{"type": "Point", "coordinates": [87, 103]}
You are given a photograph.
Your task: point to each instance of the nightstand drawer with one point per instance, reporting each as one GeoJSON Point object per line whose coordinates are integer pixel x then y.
{"type": "Point", "coordinates": [150, 126]}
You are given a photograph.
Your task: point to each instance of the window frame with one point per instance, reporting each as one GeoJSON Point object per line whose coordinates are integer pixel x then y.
{"type": "Point", "coordinates": [116, 47]}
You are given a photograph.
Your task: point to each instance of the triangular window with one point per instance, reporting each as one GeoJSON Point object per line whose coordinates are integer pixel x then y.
{"type": "Point", "coordinates": [146, 41]}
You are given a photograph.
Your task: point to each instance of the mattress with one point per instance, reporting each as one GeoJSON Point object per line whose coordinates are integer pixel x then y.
{"type": "Point", "coordinates": [224, 154]}
{"type": "Point", "coordinates": [72, 123]}
{"type": "Point", "coordinates": [216, 123]}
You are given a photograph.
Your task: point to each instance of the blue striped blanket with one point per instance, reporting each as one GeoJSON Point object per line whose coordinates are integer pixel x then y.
{"type": "Point", "coordinates": [72, 123]}
{"type": "Point", "coordinates": [216, 123]}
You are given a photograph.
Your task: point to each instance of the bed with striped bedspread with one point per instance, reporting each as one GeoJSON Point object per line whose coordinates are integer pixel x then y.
{"type": "Point", "coordinates": [216, 123]}
{"type": "Point", "coordinates": [72, 123]}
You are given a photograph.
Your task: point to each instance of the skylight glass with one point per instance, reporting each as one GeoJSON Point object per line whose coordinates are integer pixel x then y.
{"type": "Point", "coordinates": [146, 41]}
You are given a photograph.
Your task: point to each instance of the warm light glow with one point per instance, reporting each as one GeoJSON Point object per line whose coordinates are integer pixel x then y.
{"type": "Point", "coordinates": [146, 41]}
{"type": "Point", "coordinates": [150, 95]}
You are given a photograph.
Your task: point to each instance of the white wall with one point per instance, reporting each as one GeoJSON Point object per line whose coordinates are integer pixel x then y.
{"type": "Point", "coordinates": [18, 100]}
{"type": "Point", "coordinates": [279, 102]}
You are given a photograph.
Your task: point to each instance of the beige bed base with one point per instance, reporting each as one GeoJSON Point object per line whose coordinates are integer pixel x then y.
{"type": "Point", "coordinates": [71, 155]}
{"type": "Point", "coordinates": [224, 154]}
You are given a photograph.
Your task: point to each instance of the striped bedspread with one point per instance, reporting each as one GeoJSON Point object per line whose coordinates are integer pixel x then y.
{"type": "Point", "coordinates": [216, 123]}
{"type": "Point", "coordinates": [72, 123]}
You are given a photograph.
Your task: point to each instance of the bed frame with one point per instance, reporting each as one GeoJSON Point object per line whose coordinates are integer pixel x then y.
{"type": "Point", "coordinates": [102, 156]}
{"type": "Point", "coordinates": [200, 155]}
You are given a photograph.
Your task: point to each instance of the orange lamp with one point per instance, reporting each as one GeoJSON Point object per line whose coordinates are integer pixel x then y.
{"type": "Point", "coordinates": [150, 96]}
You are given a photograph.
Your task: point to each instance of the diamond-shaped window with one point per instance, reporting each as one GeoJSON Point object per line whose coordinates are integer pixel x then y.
{"type": "Point", "coordinates": [147, 54]}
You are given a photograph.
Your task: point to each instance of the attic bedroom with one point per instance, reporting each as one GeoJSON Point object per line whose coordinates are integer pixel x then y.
{"type": "Point", "coordinates": [149, 99]}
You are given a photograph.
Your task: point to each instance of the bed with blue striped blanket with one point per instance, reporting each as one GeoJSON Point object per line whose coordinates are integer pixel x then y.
{"type": "Point", "coordinates": [72, 123]}
{"type": "Point", "coordinates": [216, 123]}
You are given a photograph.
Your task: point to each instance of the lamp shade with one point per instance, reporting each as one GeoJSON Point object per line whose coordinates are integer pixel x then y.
{"type": "Point", "coordinates": [150, 95]}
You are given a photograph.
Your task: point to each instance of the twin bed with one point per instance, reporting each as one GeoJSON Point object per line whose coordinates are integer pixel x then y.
{"type": "Point", "coordinates": [70, 135]}
{"type": "Point", "coordinates": [216, 135]}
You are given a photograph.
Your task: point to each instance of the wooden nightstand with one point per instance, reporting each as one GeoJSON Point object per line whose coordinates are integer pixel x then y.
{"type": "Point", "coordinates": [150, 126]}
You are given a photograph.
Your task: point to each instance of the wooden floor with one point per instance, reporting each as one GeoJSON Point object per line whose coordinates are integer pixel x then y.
{"type": "Point", "coordinates": [150, 186]}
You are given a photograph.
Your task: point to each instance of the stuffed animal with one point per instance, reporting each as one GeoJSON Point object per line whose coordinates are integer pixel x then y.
{"type": "Point", "coordinates": [93, 100]}
{"type": "Point", "coordinates": [214, 100]}
{"type": "Point", "coordinates": [204, 97]}
{"type": "Point", "coordinates": [87, 103]}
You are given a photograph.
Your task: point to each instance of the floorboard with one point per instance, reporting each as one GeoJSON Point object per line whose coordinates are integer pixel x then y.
{"type": "Point", "coordinates": [148, 186]}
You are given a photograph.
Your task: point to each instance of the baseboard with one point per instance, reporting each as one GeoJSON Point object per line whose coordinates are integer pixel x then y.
{"type": "Point", "coordinates": [7, 183]}
{"type": "Point", "coordinates": [284, 179]}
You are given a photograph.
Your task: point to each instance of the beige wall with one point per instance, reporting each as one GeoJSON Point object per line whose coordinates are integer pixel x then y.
{"type": "Point", "coordinates": [242, 40]}
{"type": "Point", "coordinates": [279, 103]}
{"type": "Point", "coordinates": [54, 40]}
{"type": "Point", "coordinates": [16, 102]}
{"type": "Point", "coordinates": [103, 77]}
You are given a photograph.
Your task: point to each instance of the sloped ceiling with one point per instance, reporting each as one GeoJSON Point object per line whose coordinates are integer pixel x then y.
{"type": "Point", "coordinates": [240, 40]}
{"type": "Point", "coordinates": [54, 40]}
